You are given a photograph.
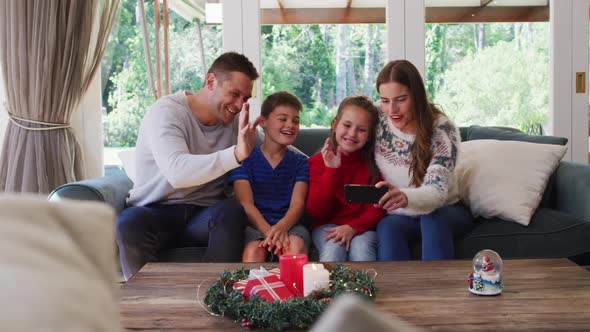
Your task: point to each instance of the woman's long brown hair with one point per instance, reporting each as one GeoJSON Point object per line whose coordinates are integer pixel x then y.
{"type": "Point", "coordinates": [425, 113]}
{"type": "Point", "coordinates": [368, 150]}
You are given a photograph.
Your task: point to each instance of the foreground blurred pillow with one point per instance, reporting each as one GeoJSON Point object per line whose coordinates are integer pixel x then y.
{"type": "Point", "coordinates": [350, 313]}
{"type": "Point", "coordinates": [58, 266]}
{"type": "Point", "coordinates": [505, 179]}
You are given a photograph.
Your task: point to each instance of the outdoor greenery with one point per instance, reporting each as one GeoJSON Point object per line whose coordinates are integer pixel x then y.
{"type": "Point", "coordinates": [486, 74]}
{"type": "Point", "coordinates": [321, 64]}
{"type": "Point", "coordinates": [502, 80]}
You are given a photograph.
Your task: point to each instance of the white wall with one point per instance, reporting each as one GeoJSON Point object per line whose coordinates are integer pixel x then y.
{"type": "Point", "coordinates": [580, 23]}
{"type": "Point", "coordinates": [395, 20]}
{"type": "Point", "coordinates": [560, 117]}
{"type": "Point", "coordinates": [241, 33]}
{"type": "Point", "coordinates": [405, 20]}
{"type": "Point", "coordinates": [87, 125]}
{"type": "Point", "coordinates": [569, 54]}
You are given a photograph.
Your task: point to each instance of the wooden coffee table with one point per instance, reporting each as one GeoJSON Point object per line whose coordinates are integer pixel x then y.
{"type": "Point", "coordinates": [539, 294]}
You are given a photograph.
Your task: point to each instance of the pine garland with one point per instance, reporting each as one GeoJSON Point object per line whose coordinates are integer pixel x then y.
{"type": "Point", "coordinates": [300, 312]}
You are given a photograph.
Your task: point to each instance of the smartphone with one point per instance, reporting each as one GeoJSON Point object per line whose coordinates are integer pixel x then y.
{"type": "Point", "coordinates": [359, 193]}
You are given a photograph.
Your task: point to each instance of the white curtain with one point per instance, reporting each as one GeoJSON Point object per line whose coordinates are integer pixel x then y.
{"type": "Point", "coordinates": [49, 52]}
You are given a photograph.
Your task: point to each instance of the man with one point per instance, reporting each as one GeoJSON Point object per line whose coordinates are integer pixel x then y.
{"type": "Point", "coordinates": [186, 145]}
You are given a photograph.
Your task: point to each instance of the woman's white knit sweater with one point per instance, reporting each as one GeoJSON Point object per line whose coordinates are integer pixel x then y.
{"type": "Point", "coordinates": [392, 154]}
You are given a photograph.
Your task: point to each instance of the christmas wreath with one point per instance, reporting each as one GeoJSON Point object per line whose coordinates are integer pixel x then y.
{"type": "Point", "coordinates": [299, 312]}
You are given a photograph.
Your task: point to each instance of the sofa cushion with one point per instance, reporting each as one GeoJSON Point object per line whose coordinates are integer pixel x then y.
{"type": "Point", "coordinates": [572, 189]}
{"type": "Point", "coordinates": [183, 255]}
{"type": "Point", "coordinates": [311, 140]}
{"type": "Point", "coordinates": [510, 134]}
{"type": "Point", "coordinates": [111, 189]}
{"type": "Point", "coordinates": [463, 131]}
{"type": "Point", "coordinates": [505, 179]}
{"type": "Point", "coordinates": [550, 234]}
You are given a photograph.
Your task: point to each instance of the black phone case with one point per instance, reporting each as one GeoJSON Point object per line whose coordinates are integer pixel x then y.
{"type": "Point", "coordinates": [356, 193]}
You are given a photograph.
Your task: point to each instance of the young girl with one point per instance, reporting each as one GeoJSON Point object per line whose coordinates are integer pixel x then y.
{"type": "Point", "coordinates": [341, 230]}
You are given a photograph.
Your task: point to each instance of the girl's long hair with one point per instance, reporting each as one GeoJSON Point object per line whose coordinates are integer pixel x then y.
{"type": "Point", "coordinates": [425, 114]}
{"type": "Point", "coordinates": [368, 150]}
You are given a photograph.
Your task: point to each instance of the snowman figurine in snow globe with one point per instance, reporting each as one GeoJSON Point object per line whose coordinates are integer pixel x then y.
{"type": "Point", "coordinates": [487, 278]}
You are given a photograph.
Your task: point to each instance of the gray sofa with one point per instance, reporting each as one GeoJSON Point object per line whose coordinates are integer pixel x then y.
{"type": "Point", "coordinates": [559, 228]}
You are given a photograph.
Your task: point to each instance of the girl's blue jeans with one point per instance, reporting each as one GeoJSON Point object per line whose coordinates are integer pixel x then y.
{"type": "Point", "coordinates": [363, 247]}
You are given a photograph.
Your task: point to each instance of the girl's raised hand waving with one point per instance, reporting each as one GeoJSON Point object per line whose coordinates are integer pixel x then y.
{"type": "Point", "coordinates": [332, 159]}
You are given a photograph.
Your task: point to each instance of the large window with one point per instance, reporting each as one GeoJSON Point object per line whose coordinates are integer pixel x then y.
{"type": "Point", "coordinates": [125, 88]}
{"type": "Point", "coordinates": [322, 51]}
{"type": "Point", "coordinates": [490, 74]}
{"type": "Point", "coordinates": [492, 67]}
{"type": "Point", "coordinates": [321, 64]}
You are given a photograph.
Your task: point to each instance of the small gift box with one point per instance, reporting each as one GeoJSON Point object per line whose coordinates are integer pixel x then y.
{"type": "Point", "coordinates": [270, 288]}
{"type": "Point", "coordinates": [240, 286]}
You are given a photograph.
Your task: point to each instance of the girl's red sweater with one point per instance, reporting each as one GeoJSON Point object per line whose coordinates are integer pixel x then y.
{"type": "Point", "coordinates": [325, 200]}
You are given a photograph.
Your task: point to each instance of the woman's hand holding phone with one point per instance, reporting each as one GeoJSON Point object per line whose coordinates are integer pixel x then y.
{"type": "Point", "coordinates": [394, 198]}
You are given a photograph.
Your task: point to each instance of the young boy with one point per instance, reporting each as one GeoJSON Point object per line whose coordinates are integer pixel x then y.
{"type": "Point", "coordinates": [272, 184]}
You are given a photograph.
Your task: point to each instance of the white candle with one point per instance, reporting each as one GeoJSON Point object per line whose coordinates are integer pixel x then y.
{"type": "Point", "coordinates": [315, 276]}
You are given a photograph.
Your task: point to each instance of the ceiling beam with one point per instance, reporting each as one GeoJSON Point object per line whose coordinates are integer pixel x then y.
{"type": "Point", "coordinates": [487, 14]}
{"type": "Point", "coordinates": [322, 16]}
{"type": "Point", "coordinates": [484, 3]}
{"type": "Point", "coordinates": [377, 15]}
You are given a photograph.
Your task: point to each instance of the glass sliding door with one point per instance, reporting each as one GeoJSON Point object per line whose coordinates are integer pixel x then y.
{"type": "Point", "coordinates": [487, 62]}
{"type": "Point", "coordinates": [321, 51]}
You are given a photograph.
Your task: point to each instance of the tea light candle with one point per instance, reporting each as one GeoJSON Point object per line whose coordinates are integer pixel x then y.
{"type": "Point", "coordinates": [315, 276]}
{"type": "Point", "coordinates": [291, 267]}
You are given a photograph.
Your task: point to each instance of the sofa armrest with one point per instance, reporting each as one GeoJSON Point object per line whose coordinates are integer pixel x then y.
{"type": "Point", "coordinates": [110, 189]}
{"type": "Point", "coordinates": [572, 189]}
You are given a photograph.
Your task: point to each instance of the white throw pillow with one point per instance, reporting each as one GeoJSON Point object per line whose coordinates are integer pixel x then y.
{"type": "Point", "coordinates": [505, 179]}
{"type": "Point", "coordinates": [128, 159]}
{"type": "Point", "coordinates": [59, 268]}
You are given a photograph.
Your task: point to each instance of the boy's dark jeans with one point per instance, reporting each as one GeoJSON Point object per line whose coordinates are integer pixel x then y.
{"type": "Point", "coordinates": [142, 231]}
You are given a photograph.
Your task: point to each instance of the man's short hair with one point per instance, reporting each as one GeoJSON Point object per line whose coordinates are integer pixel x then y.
{"type": "Point", "coordinates": [281, 98]}
{"type": "Point", "coordinates": [230, 62]}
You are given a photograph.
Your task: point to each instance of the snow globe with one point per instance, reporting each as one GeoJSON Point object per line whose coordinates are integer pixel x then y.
{"type": "Point", "coordinates": [487, 278]}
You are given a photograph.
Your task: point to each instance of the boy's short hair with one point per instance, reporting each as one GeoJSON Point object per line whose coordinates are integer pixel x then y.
{"type": "Point", "coordinates": [229, 62]}
{"type": "Point", "coordinates": [281, 98]}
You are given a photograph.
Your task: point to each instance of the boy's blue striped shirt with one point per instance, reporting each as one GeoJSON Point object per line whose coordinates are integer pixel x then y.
{"type": "Point", "coordinates": [272, 189]}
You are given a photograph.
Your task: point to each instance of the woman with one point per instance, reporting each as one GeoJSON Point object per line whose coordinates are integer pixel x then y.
{"type": "Point", "coordinates": [416, 152]}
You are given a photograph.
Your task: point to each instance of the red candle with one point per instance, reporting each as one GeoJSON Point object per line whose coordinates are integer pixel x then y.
{"type": "Point", "coordinates": [291, 267]}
